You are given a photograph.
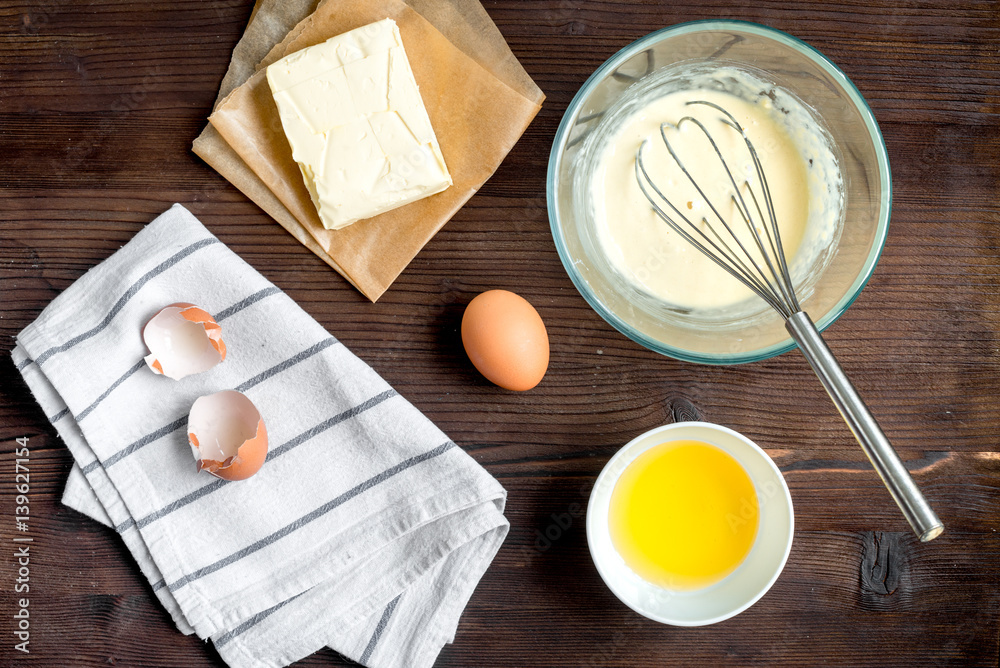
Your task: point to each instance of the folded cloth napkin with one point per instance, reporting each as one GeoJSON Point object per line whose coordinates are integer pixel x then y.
{"type": "Point", "coordinates": [366, 530]}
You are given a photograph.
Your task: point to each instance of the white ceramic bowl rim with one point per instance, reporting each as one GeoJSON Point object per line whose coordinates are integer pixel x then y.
{"type": "Point", "coordinates": [885, 203]}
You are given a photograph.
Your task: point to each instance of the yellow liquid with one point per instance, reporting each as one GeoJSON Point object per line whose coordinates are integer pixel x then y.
{"type": "Point", "coordinates": [684, 515]}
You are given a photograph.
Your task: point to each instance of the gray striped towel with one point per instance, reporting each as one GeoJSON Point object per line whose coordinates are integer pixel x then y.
{"type": "Point", "coordinates": [366, 530]}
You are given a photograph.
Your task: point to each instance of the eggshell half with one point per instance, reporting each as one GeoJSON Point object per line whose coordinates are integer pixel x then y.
{"type": "Point", "coordinates": [227, 435]}
{"type": "Point", "coordinates": [183, 340]}
{"type": "Point", "coordinates": [506, 340]}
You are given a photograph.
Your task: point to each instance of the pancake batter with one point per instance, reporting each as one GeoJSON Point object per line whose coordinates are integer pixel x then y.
{"type": "Point", "coordinates": [656, 258]}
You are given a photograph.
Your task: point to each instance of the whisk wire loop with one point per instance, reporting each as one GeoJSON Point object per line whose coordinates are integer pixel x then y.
{"type": "Point", "coordinates": [773, 283]}
{"type": "Point", "coordinates": [722, 254]}
{"type": "Point", "coordinates": [737, 199]}
{"type": "Point", "coordinates": [777, 248]}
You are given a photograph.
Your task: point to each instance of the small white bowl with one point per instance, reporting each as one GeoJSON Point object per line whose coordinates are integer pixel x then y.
{"type": "Point", "coordinates": [737, 591]}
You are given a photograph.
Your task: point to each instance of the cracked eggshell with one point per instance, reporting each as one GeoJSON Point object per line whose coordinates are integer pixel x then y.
{"type": "Point", "coordinates": [227, 435]}
{"type": "Point", "coordinates": [183, 340]}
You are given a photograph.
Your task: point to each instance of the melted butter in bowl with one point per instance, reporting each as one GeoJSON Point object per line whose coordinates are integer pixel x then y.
{"type": "Point", "coordinates": [796, 156]}
{"type": "Point", "coordinates": [690, 523]}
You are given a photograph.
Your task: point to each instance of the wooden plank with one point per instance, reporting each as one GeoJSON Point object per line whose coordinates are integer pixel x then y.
{"type": "Point", "coordinates": [99, 103]}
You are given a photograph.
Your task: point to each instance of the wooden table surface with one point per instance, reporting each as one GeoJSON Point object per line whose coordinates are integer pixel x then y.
{"type": "Point", "coordinates": [99, 103]}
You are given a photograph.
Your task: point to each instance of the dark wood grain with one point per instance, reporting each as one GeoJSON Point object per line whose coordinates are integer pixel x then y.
{"type": "Point", "coordinates": [99, 102]}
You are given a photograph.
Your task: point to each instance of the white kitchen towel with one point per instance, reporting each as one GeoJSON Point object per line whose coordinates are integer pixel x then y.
{"type": "Point", "coordinates": [366, 530]}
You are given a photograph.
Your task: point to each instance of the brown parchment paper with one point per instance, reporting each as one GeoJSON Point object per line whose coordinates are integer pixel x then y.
{"type": "Point", "coordinates": [269, 23]}
{"type": "Point", "coordinates": [479, 105]}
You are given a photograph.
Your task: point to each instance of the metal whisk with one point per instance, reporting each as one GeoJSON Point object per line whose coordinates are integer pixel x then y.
{"type": "Point", "coordinates": [763, 268]}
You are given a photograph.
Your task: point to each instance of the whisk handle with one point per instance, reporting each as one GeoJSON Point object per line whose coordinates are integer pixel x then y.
{"type": "Point", "coordinates": [865, 428]}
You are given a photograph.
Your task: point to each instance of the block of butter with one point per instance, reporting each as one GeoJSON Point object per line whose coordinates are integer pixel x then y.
{"type": "Point", "coordinates": [357, 126]}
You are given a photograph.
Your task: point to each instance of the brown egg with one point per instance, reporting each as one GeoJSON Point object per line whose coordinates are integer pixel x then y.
{"type": "Point", "coordinates": [506, 339]}
{"type": "Point", "coordinates": [227, 435]}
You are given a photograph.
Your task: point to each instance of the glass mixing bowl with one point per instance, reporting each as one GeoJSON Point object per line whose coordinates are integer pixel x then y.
{"type": "Point", "coordinates": [825, 289]}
